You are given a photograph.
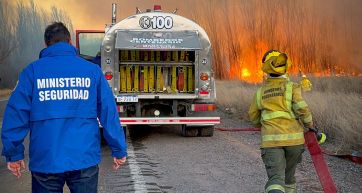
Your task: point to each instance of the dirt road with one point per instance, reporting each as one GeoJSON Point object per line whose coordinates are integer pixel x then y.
{"type": "Point", "coordinates": [160, 160]}
{"type": "Point", "coordinates": [226, 162]}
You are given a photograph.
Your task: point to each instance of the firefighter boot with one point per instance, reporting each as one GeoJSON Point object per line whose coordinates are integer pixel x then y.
{"type": "Point", "coordinates": [290, 188]}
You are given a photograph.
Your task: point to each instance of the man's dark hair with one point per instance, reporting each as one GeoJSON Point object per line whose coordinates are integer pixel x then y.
{"type": "Point", "coordinates": [56, 32]}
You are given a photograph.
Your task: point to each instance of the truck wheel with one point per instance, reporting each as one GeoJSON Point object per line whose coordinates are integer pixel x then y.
{"type": "Point", "coordinates": [125, 133]}
{"type": "Point", "coordinates": [207, 131]}
{"type": "Point", "coordinates": [189, 131]}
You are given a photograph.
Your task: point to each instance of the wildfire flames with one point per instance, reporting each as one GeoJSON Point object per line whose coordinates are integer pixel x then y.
{"type": "Point", "coordinates": [321, 38]}
{"type": "Point", "coordinates": [248, 68]}
{"type": "Point", "coordinates": [317, 36]}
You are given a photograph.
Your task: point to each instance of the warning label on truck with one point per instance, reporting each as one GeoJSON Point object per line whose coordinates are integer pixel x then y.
{"type": "Point", "coordinates": [157, 40]}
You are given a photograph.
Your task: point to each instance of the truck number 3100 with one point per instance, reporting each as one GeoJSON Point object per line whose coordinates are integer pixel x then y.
{"type": "Point", "coordinates": [156, 22]}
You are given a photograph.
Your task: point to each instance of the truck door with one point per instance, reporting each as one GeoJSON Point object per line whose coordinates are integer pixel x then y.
{"type": "Point", "coordinates": [88, 43]}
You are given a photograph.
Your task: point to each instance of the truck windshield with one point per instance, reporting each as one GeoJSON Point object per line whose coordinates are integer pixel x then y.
{"type": "Point", "coordinates": [90, 43]}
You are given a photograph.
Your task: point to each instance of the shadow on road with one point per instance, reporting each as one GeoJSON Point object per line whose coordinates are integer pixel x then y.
{"type": "Point", "coordinates": [140, 132]}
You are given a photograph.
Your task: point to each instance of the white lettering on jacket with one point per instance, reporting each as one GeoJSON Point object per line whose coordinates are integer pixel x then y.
{"type": "Point", "coordinates": [72, 88]}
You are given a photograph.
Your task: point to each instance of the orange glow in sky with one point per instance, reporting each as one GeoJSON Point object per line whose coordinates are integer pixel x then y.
{"type": "Point", "coordinates": [321, 37]}
{"type": "Point", "coordinates": [94, 14]}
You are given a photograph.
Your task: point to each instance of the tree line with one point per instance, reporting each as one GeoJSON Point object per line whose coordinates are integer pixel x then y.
{"type": "Point", "coordinates": [21, 36]}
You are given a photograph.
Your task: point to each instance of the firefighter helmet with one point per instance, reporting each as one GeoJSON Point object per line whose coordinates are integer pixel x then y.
{"type": "Point", "coordinates": [275, 62]}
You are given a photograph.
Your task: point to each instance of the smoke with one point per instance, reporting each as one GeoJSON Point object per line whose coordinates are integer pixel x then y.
{"type": "Point", "coordinates": [322, 37]}
{"type": "Point", "coordinates": [25, 23]}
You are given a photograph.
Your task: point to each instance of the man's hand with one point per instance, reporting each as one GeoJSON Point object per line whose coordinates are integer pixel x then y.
{"type": "Point", "coordinates": [118, 162]}
{"type": "Point", "coordinates": [15, 167]}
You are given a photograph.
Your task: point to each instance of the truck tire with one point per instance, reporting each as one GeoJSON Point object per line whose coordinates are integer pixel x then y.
{"type": "Point", "coordinates": [207, 131]}
{"type": "Point", "coordinates": [125, 133]}
{"type": "Point", "coordinates": [189, 131]}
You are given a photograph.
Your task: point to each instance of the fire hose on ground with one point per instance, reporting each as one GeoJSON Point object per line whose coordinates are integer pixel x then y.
{"type": "Point", "coordinates": [316, 153]}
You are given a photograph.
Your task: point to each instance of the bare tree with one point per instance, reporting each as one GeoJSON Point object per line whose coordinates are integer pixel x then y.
{"type": "Point", "coordinates": [21, 39]}
{"type": "Point", "coordinates": [6, 37]}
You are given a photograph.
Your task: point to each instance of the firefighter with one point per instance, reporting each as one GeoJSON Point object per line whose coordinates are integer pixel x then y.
{"type": "Point", "coordinates": [59, 100]}
{"type": "Point", "coordinates": [276, 106]}
{"type": "Point", "coordinates": [305, 84]}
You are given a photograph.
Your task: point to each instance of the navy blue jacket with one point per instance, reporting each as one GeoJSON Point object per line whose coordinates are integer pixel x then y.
{"type": "Point", "coordinates": [58, 99]}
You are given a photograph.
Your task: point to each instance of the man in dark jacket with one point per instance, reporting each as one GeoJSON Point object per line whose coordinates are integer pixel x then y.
{"type": "Point", "coordinates": [58, 99]}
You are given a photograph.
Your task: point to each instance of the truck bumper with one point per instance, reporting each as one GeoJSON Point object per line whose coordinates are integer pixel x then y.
{"type": "Point", "coordinates": [189, 121]}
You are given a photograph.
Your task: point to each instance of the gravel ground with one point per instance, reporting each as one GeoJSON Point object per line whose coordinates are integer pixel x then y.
{"type": "Point", "coordinates": [346, 174]}
{"type": "Point", "coordinates": [227, 162]}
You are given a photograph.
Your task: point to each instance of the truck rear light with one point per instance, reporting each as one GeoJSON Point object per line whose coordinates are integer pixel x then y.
{"type": "Point", "coordinates": [108, 75]}
{"type": "Point", "coordinates": [157, 8]}
{"type": "Point", "coordinates": [204, 93]}
{"type": "Point", "coordinates": [203, 107]}
{"type": "Point", "coordinates": [204, 76]}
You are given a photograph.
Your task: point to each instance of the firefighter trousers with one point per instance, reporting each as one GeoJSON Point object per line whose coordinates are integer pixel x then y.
{"type": "Point", "coordinates": [280, 164]}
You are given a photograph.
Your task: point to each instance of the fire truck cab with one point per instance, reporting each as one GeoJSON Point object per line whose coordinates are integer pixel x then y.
{"type": "Point", "coordinates": [159, 68]}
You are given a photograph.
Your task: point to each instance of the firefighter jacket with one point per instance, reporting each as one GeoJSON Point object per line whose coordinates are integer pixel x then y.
{"type": "Point", "coordinates": [277, 108]}
{"type": "Point", "coordinates": [58, 99]}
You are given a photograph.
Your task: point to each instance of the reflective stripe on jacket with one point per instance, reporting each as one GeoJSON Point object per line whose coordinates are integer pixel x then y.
{"type": "Point", "coordinates": [276, 108]}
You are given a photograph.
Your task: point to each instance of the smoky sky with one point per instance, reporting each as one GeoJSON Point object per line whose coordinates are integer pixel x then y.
{"type": "Point", "coordinates": [342, 19]}
{"type": "Point", "coordinates": [94, 14]}
{"type": "Point", "coordinates": [344, 16]}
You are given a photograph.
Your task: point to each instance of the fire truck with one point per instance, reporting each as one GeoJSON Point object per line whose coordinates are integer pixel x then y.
{"type": "Point", "coordinates": [159, 67]}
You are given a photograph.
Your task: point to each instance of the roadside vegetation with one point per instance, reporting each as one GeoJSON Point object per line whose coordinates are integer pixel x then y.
{"type": "Point", "coordinates": [335, 102]}
{"type": "Point", "coordinates": [4, 93]}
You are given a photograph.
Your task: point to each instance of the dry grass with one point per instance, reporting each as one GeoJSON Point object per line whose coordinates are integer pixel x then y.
{"type": "Point", "coordinates": [339, 115]}
{"type": "Point", "coordinates": [4, 92]}
{"type": "Point", "coordinates": [235, 97]}
{"type": "Point", "coordinates": [336, 104]}
{"type": "Point", "coordinates": [338, 84]}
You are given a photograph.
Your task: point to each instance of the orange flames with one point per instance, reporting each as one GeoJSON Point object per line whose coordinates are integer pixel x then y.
{"type": "Point", "coordinates": [248, 67]}
{"type": "Point", "coordinates": [249, 70]}
{"type": "Point", "coordinates": [320, 38]}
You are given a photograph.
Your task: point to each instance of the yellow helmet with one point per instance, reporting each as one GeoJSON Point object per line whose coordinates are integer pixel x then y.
{"type": "Point", "coordinates": [275, 62]}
